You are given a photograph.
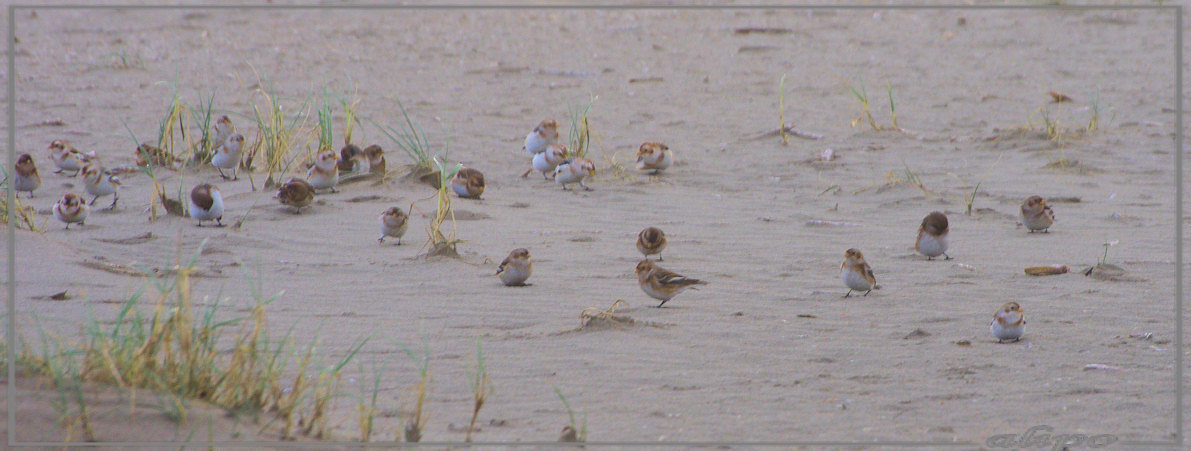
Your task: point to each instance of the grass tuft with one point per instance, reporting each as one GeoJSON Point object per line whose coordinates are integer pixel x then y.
{"type": "Point", "coordinates": [481, 388]}
{"type": "Point", "coordinates": [579, 134]}
{"type": "Point", "coordinates": [577, 432]}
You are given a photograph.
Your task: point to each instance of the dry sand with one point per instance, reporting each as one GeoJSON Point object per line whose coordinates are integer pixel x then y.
{"type": "Point", "coordinates": [768, 350]}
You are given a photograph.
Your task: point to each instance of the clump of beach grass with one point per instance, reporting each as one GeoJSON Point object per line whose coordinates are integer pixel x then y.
{"type": "Point", "coordinates": [481, 388]}
{"type": "Point", "coordinates": [278, 133]}
{"type": "Point", "coordinates": [443, 244]}
{"type": "Point", "coordinates": [579, 133]}
{"type": "Point", "coordinates": [411, 138]}
{"type": "Point", "coordinates": [176, 350]}
{"type": "Point", "coordinates": [415, 397]}
{"type": "Point", "coordinates": [861, 95]}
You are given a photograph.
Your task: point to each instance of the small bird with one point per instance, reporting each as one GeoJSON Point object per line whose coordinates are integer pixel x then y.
{"type": "Point", "coordinates": [516, 268]}
{"type": "Point", "coordinates": [71, 209]}
{"type": "Point", "coordinates": [99, 182]}
{"type": "Point", "coordinates": [574, 170]}
{"type": "Point", "coordinates": [1036, 215]}
{"type": "Point", "coordinates": [206, 203]}
{"type": "Point", "coordinates": [27, 178]}
{"type": "Point", "coordinates": [227, 156]}
{"type": "Point", "coordinates": [856, 273]}
{"type": "Point", "coordinates": [468, 183]}
{"type": "Point", "coordinates": [932, 236]}
{"type": "Point", "coordinates": [351, 158]}
{"type": "Point", "coordinates": [660, 283]}
{"type": "Point", "coordinates": [324, 173]}
{"type": "Point", "coordinates": [547, 160]}
{"type": "Point", "coordinates": [393, 222]}
{"type": "Point", "coordinates": [147, 153]}
{"type": "Point", "coordinates": [67, 158]}
{"type": "Point", "coordinates": [222, 130]}
{"type": "Point", "coordinates": [653, 156]}
{"type": "Point", "coordinates": [376, 159]}
{"type": "Point", "coordinates": [545, 134]}
{"type": "Point", "coordinates": [651, 241]}
{"type": "Point", "coordinates": [296, 193]}
{"type": "Point", "coordinates": [1008, 323]}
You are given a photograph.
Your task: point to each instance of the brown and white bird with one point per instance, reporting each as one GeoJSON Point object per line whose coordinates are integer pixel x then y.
{"type": "Point", "coordinates": [99, 182]}
{"type": "Point", "coordinates": [932, 236]}
{"type": "Point", "coordinates": [653, 156]}
{"type": "Point", "coordinates": [206, 203]}
{"type": "Point", "coordinates": [352, 159]}
{"type": "Point", "coordinates": [543, 135]}
{"type": "Point", "coordinates": [856, 273]}
{"type": "Point", "coordinates": [1008, 323]}
{"type": "Point", "coordinates": [660, 283]}
{"type": "Point", "coordinates": [393, 222]}
{"type": "Point", "coordinates": [1036, 215]}
{"type": "Point", "coordinates": [376, 159]}
{"type": "Point", "coordinates": [651, 241]}
{"type": "Point", "coordinates": [546, 160]}
{"type": "Point", "coordinates": [324, 173]}
{"type": "Point", "coordinates": [516, 268]}
{"type": "Point", "coordinates": [227, 156]}
{"type": "Point", "coordinates": [295, 193]}
{"type": "Point", "coordinates": [71, 209]}
{"type": "Point", "coordinates": [574, 171]}
{"type": "Point", "coordinates": [26, 177]}
{"type": "Point", "coordinates": [221, 131]}
{"type": "Point", "coordinates": [468, 183]}
{"type": "Point", "coordinates": [67, 158]}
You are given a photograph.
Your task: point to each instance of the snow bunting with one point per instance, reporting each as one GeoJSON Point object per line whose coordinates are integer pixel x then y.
{"type": "Point", "coordinates": [468, 183]}
{"type": "Point", "coordinates": [574, 171]}
{"type": "Point", "coordinates": [660, 283]}
{"type": "Point", "coordinates": [545, 134]}
{"type": "Point", "coordinates": [932, 236]}
{"type": "Point", "coordinates": [147, 153]}
{"type": "Point", "coordinates": [206, 203]}
{"type": "Point", "coordinates": [100, 182]}
{"type": "Point", "coordinates": [227, 156]}
{"type": "Point", "coordinates": [351, 158]}
{"type": "Point", "coordinates": [376, 159]}
{"type": "Point", "coordinates": [548, 159]}
{"type": "Point", "coordinates": [653, 156]}
{"type": "Point", "coordinates": [1008, 322]}
{"type": "Point", "coordinates": [222, 130]}
{"type": "Point", "coordinates": [856, 273]}
{"type": "Point", "coordinates": [393, 222]}
{"type": "Point", "coordinates": [651, 241]}
{"type": "Point", "coordinates": [71, 209]}
{"type": "Point", "coordinates": [1036, 215]}
{"type": "Point", "coordinates": [516, 268]}
{"type": "Point", "coordinates": [324, 173]}
{"type": "Point", "coordinates": [26, 178]}
{"type": "Point", "coordinates": [66, 158]}
{"type": "Point", "coordinates": [296, 193]}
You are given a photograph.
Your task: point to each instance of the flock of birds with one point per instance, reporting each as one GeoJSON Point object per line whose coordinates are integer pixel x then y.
{"type": "Point", "coordinates": [549, 157]}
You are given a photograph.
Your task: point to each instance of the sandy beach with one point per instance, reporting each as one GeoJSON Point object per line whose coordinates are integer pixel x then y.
{"type": "Point", "coordinates": [769, 349]}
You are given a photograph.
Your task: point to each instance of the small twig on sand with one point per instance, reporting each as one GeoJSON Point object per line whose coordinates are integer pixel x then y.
{"type": "Point", "coordinates": [788, 129]}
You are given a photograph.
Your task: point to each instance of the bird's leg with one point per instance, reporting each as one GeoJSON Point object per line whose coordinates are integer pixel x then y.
{"type": "Point", "coordinates": [849, 294]}
{"type": "Point", "coordinates": [115, 198]}
{"type": "Point", "coordinates": [381, 239]}
{"type": "Point", "coordinates": [867, 292]}
{"type": "Point", "coordinates": [221, 174]}
{"type": "Point", "coordinates": [93, 199]}
{"type": "Point", "coordinates": [946, 257]}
